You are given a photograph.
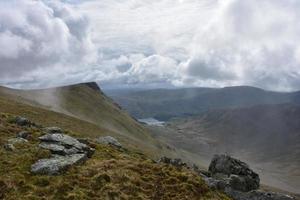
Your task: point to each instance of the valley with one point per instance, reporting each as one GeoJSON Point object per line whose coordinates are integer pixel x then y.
{"type": "Point", "coordinates": [264, 135]}
{"type": "Point", "coordinates": [262, 127]}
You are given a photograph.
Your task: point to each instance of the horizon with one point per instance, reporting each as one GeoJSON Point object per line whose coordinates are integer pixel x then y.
{"type": "Point", "coordinates": [139, 88]}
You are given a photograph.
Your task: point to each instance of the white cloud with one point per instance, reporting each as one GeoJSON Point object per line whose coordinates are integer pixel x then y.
{"type": "Point", "coordinates": [39, 38]}
{"type": "Point", "coordinates": [180, 42]}
{"type": "Point", "coordinates": [12, 45]}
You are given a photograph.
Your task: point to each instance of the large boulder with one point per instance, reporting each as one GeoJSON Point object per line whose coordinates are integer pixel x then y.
{"type": "Point", "coordinates": [239, 176]}
{"type": "Point", "coordinates": [108, 140]}
{"type": "Point", "coordinates": [56, 164]}
{"type": "Point", "coordinates": [237, 180]}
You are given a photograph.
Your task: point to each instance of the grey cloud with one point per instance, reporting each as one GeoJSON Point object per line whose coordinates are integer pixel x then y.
{"type": "Point", "coordinates": [198, 68]}
{"type": "Point", "coordinates": [34, 36]}
{"type": "Point", "coordinates": [180, 42]}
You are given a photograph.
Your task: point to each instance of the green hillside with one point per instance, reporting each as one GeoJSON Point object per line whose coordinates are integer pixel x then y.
{"type": "Point", "coordinates": [110, 174]}
{"type": "Point", "coordinates": [80, 108]}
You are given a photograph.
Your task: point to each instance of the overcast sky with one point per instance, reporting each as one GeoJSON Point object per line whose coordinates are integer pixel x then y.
{"type": "Point", "coordinates": [139, 43]}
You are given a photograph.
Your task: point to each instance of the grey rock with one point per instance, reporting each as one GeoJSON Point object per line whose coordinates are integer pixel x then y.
{"type": "Point", "coordinates": [108, 140]}
{"type": "Point", "coordinates": [57, 164]}
{"type": "Point", "coordinates": [66, 151]}
{"type": "Point", "coordinates": [64, 140]}
{"type": "Point", "coordinates": [84, 140]}
{"type": "Point", "coordinates": [22, 121]}
{"type": "Point", "coordinates": [53, 130]}
{"type": "Point", "coordinates": [16, 140]}
{"type": "Point", "coordinates": [257, 195]}
{"type": "Point", "coordinates": [216, 184]}
{"type": "Point", "coordinates": [9, 147]}
{"type": "Point", "coordinates": [201, 172]}
{"type": "Point", "coordinates": [245, 179]}
{"type": "Point", "coordinates": [60, 149]}
{"type": "Point", "coordinates": [53, 147]}
{"type": "Point", "coordinates": [23, 134]}
{"type": "Point", "coordinates": [243, 183]}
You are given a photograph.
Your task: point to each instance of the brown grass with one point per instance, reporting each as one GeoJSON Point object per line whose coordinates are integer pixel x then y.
{"type": "Point", "coordinates": [109, 174]}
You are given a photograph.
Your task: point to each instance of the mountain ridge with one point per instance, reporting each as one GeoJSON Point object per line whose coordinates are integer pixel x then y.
{"type": "Point", "coordinates": [164, 103]}
{"type": "Point", "coordinates": [88, 104]}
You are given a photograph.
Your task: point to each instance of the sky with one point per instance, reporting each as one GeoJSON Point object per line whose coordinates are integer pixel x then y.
{"type": "Point", "coordinates": [149, 43]}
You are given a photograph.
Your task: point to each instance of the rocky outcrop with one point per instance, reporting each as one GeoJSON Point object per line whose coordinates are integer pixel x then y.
{"type": "Point", "coordinates": [66, 151]}
{"type": "Point", "coordinates": [108, 140]}
{"type": "Point", "coordinates": [177, 162]}
{"type": "Point", "coordinates": [62, 144]}
{"type": "Point", "coordinates": [237, 180]}
{"type": "Point", "coordinates": [57, 164]}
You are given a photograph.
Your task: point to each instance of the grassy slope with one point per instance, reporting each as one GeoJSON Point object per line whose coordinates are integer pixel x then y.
{"type": "Point", "coordinates": [80, 108]}
{"type": "Point", "coordinates": [109, 174]}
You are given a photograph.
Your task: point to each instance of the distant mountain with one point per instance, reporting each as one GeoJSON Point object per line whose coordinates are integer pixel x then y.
{"type": "Point", "coordinates": [168, 103]}
{"type": "Point", "coordinates": [268, 136]}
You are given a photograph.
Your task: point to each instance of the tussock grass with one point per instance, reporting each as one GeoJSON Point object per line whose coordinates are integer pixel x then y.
{"type": "Point", "coordinates": [110, 174]}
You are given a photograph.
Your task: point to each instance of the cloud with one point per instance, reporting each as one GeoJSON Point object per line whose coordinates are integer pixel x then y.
{"type": "Point", "coordinates": [254, 41]}
{"type": "Point", "coordinates": [177, 42]}
{"type": "Point", "coordinates": [36, 37]}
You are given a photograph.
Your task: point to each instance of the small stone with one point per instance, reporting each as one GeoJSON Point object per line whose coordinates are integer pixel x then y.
{"type": "Point", "coordinates": [53, 130]}
{"type": "Point", "coordinates": [108, 140]}
{"type": "Point", "coordinates": [9, 147]}
{"type": "Point", "coordinates": [175, 162]}
{"type": "Point", "coordinates": [22, 121]}
{"type": "Point", "coordinates": [16, 140]}
{"type": "Point", "coordinates": [23, 134]}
